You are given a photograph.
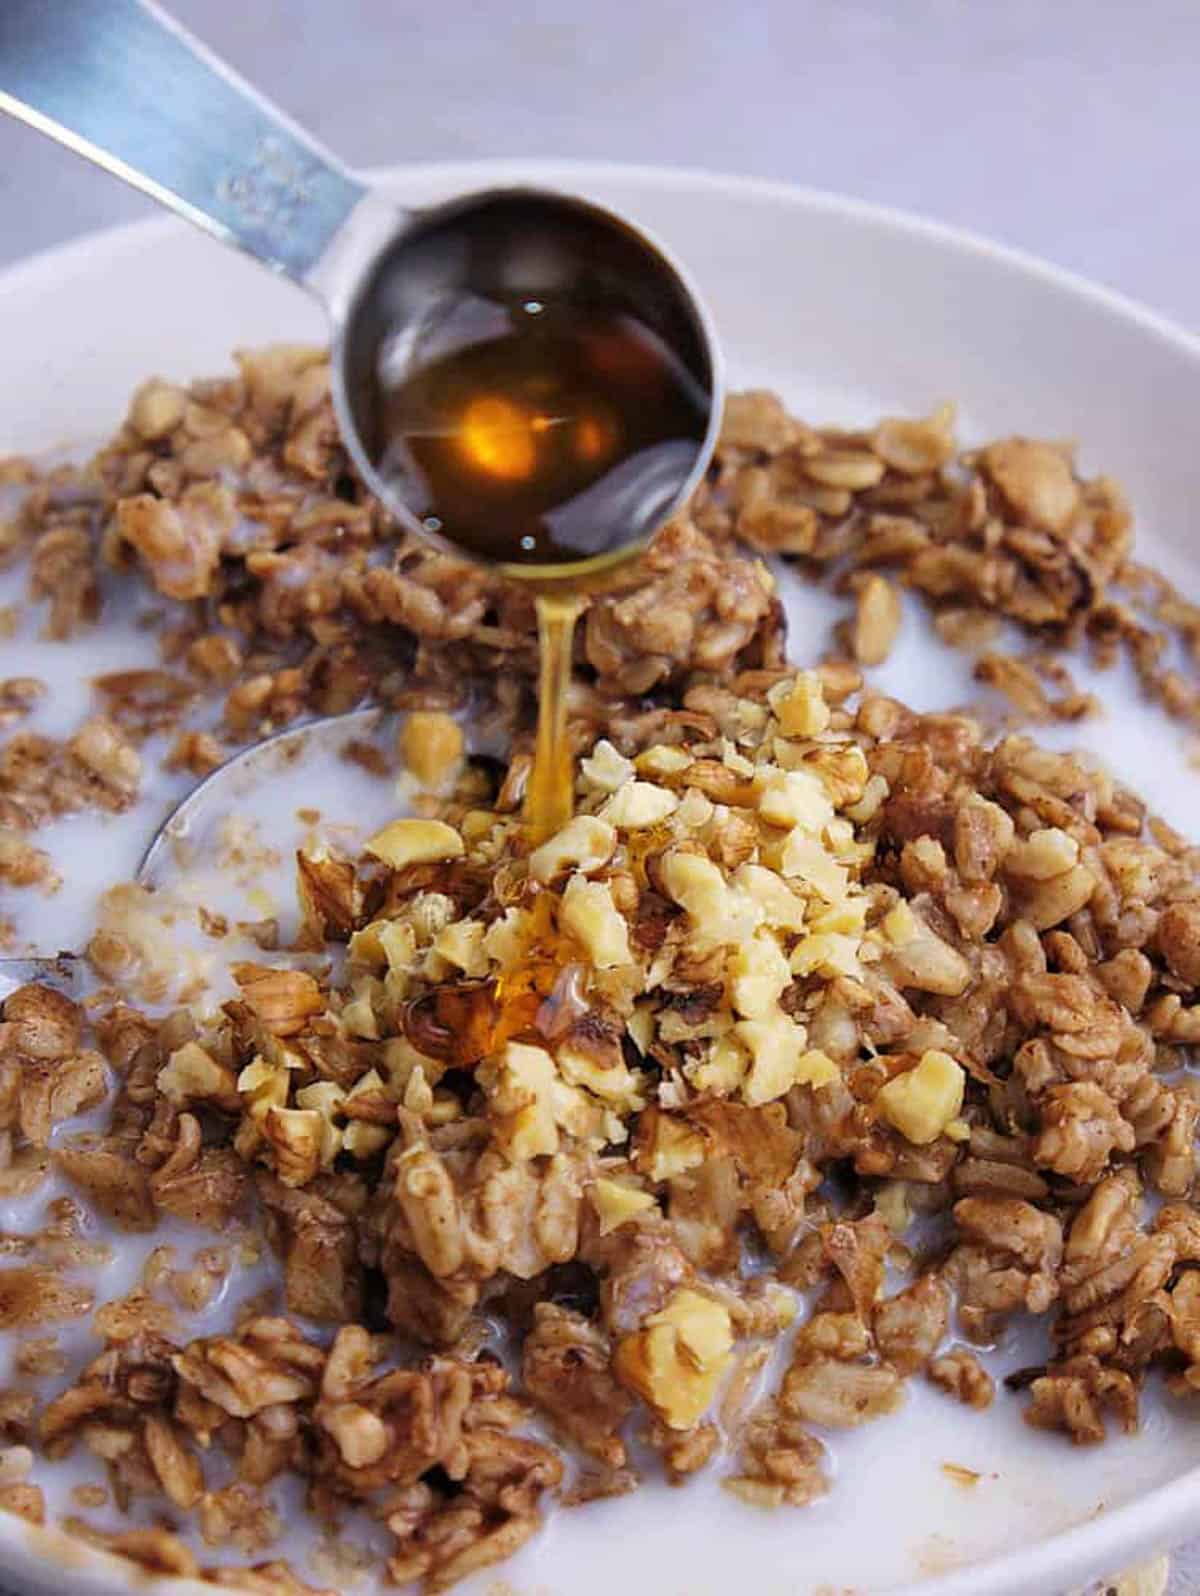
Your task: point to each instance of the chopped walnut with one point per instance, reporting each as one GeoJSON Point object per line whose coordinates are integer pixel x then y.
{"type": "Point", "coordinates": [676, 1359]}
{"type": "Point", "coordinates": [961, 1375]}
{"type": "Point", "coordinates": [282, 1000]}
{"type": "Point", "coordinates": [238, 1515]}
{"type": "Point", "coordinates": [910, 1325]}
{"type": "Point", "coordinates": [566, 1372]}
{"type": "Point", "coordinates": [1075, 1396]}
{"type": "Point", "coordinates": [781, 1462]}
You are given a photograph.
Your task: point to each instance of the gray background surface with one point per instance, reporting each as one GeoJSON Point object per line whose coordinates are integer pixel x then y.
{"type": "Point", "coordinates": [1067, 127]}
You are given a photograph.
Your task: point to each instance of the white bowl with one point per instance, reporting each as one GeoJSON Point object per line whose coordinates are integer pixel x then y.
{"type": "Point", "coordinates": [849, 310]}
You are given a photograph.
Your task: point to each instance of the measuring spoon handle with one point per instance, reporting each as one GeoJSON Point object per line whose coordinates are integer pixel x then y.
{"type": "Point", "coordinates": [121, 83]}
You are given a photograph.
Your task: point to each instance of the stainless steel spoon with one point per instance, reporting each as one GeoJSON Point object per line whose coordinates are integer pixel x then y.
{"type": "Point", "coordinates": [208, 801]}
{"type": "Point", "coordinates": [122, 84]}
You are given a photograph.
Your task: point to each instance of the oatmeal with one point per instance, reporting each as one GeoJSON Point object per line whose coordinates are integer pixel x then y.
{"type": "Point", "coordinates": [1011, 531]}
{"type": "Point", "coordinates": [826, 1042]}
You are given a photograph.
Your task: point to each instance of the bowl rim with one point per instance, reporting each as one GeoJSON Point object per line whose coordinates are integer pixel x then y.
{"type": "Point", "coordinates": [1114, 1538]}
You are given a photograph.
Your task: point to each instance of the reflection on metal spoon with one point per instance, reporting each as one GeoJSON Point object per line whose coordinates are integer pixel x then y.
{"type": "Point", "coordinates": [214, 796]}
{"type": "Point", "coordinates": [61, 972]}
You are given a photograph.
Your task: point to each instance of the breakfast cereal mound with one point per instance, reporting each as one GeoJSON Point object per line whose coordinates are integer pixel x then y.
{"type": "Point", "coordinates": [602, 1093]}
{"type": "Point", "coordinates": [825, 1028]}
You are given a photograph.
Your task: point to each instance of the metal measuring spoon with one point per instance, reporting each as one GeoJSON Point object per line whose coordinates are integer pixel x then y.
{"type": "Point", "coordinates": [121, 83]}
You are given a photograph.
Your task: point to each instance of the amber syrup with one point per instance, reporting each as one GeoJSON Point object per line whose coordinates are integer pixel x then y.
{"type": "Point", "coordinates": [539, 434]}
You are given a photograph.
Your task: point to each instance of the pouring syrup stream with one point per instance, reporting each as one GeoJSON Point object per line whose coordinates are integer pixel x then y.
{"type": "Point", "coordinates": [549, 797]}
{"type": "Point", "coordinates": [547, 432]}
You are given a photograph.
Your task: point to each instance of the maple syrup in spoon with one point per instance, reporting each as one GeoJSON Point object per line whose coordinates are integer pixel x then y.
{"type": "Point", "coordinates": [539, 433]}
